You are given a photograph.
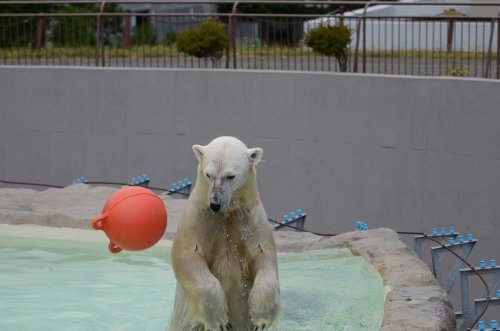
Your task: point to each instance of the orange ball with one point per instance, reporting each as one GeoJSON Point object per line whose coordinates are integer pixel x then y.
{"type": "Point", "coordinates": [134, 218]}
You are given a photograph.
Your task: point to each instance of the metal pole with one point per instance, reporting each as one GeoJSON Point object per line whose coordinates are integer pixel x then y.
{"type": "Point", "coordinates": [39, 33]}
{"type": "Point", "coordinates": [101, 43]}
{"type": "Point", "coordinates": [364, 44]}
{"type": "Point", "coordinates": [358, 28]}
{"type": "Point", "coordinates": [487, 67]}
{"type": "Point", "coordinates": [126, 31]}
{"type": "Point", "coordinates": [449, 40]}
{"type": "Point", "coordinates": [232, 33]}
{"type": "Point", "coordinates": [498, 46]}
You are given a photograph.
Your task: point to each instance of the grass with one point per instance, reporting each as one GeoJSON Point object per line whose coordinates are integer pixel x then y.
{"type": "Point", "coordinates": [89, 52]}
{"type": "Point", "coordinates": [16, 53]}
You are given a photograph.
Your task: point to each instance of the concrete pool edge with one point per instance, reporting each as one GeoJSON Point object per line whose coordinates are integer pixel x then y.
{"type": "Point", "coordinates": [414, 300]}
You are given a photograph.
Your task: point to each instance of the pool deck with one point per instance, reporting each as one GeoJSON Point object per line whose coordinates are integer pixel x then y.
{"type": "Point", "coordinates": [414, 301]}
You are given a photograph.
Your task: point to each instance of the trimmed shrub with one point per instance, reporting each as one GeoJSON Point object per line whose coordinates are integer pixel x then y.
{"type": "Point", "coordinates": [205, 40]}
{"type": "Point", "coordinates": [331, 40]}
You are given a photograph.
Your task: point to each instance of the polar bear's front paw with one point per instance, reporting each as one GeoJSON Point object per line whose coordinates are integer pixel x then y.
{"type": "Point", "coordinates": [213, 309]}
{"type": "Point", "coordinates": [264, 308]}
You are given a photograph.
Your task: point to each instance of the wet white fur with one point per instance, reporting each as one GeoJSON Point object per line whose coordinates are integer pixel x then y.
{"type": "Point", "coordinates": [225, 262]}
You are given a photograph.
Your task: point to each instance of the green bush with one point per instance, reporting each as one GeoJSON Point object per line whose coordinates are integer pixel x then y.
{"type": "Point", "coordinates": [331, 40]}
{"type": "Point", "coordinates": [205, 40]}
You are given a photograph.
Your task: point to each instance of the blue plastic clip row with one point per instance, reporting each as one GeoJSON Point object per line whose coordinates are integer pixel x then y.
{"type": "Point", "coordinates": [360, 225]}
{"type": "Point", "coordinates": [460, 239]}
{"type": "Point", "coordinates": [140, 180]}
{"type": "Point", "coordinates": [443, 231]}
{"type": "Point", "coordinates": [293, 215]}
{"type": "Point", "coordinates": [498, 294]}
{"type": "Point", "coordinates": [493, 264]}
{"type": "Point", "coordinates": [80, 180]}
{"type": "Point", "coordinates": [180, 184]}
{"type": "Point", "coordinates": [481, 326]}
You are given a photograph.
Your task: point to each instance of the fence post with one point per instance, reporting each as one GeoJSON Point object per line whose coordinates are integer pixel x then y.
{"type": "Point", "coordinates": [449, 40]}
{"type": "Point", "coordinates": [364, 44]}
{"type": "Point", "coordinates": [341, 14]}
{"type": "Point", "coordinates": [487, 67]}
{"type": "Point", "coordinates": [358, 27]}
{"type": "Point", "coordinates": [498, 46]}
{"type": "Point", "coordinates": [232, 34]}
{"type": "Point", "coordinates": [39, 32]}
{"type": "Point", "coordinates": [98, 38]}
{"type": "Point", "coordinates": [126, 30]}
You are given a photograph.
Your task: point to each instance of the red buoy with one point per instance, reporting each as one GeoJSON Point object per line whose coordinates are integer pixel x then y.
{"type": "Point", "coordinates": [134, 218]}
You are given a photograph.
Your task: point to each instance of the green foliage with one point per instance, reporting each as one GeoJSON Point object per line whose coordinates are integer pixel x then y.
{"type": "Point", "coordinates": [205, 40]}
{"type": "Point", "coordinates": [169, 38]}
{"type": "Point", "coordinates": [144, 34]}
{"type": "Point", "coordinates": [458, 71]}
{"type": "Point", "coordinates": [81, 30]}
{"type": "Point", "coordinates": [72, 31]}
{"type": "Point", "coordinates": [452, 12]}
{"type": "Point", "coordinates": [331, 40]}
{"type": "Point", "coordinates": [10, 26]}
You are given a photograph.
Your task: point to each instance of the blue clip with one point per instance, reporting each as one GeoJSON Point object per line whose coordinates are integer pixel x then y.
{"type": "Point", "coordinates": [434, 231]}
{"type": "Point", "coordinates": [470, 237]}
{"type": "Point", "coordinates": [481, 326]}
{"type": "Point", "coordinates": [286, 219]}
{"type": "Point", "coordinates": [80, 180]}
{"type": "Point", "coordinates": [482, 264]}
{"type": "Point", "coordinates": [494, 324]}
{"type": "Point", "coordinates": [461, 239]}
{"type": "Point", "coordinates": [360, 225]}
{"type": "Point", "coordinates": [443, 231]}
{"type": "Point", "coordinates": [493, 263]}
{"type": "Point", "coordinates": [451, 241]}
{"type": "Point", "coordinates": [452, 230]}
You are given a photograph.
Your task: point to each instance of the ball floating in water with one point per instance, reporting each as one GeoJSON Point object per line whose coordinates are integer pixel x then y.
{"type": "Point", "coordinates": [134, 218]}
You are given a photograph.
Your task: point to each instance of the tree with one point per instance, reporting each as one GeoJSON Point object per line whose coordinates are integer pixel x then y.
{"type": "Point", "coordinates": [19, 31]}
{"type": "Point", "coordinates": [207, 39]}
{"type": "Point", "coordinates": [331, 40]}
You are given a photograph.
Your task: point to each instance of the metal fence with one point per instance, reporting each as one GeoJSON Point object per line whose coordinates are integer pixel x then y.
{"type": "Point", "coordinates": [424, 45]}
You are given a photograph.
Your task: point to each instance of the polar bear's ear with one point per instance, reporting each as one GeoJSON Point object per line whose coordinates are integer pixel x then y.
{"type": "Point", "coordinates": [254, 155]}
{"type": "Point", "coordinates": [198, 151]}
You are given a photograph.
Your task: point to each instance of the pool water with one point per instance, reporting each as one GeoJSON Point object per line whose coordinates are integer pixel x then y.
{"type": "Point", "coordinates": [72, 285]}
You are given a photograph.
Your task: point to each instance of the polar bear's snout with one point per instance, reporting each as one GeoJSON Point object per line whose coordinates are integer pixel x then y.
{"type": "Point", "coordinates": [215, 207]}
{"type": "Point", "coordinates": [218, 199]}
{"type": "Point", "coordinates": [215, 203]}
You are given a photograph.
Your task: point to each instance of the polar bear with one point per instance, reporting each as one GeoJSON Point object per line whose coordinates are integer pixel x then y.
{"type": "Point", "coordinates": [223, 255]}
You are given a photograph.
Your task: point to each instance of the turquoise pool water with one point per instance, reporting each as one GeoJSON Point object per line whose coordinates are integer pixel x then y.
{"type": "Point", "coordinates": [60, 285]}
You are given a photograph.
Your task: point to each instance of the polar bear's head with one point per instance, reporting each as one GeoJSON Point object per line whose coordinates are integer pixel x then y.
{"type": "Point", "coordinates": [225, 165]}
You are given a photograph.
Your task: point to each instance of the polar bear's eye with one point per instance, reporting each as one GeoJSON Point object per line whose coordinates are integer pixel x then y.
{"type": "Point", "coordinates": [208, 176]}
{"type": "Point", "coordinates": [230, 177]}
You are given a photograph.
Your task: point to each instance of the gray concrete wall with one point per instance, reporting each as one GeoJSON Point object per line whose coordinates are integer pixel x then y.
{"type": "Point", "coordinates": [400, 152]}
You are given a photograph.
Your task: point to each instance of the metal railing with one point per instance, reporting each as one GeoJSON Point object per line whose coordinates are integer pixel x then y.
{"type": "Point", "coordinates": [422, 45]}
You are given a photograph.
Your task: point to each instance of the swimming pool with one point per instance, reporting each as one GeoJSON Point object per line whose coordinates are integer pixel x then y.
{"type": "Point", "coordinates": [53, 284]}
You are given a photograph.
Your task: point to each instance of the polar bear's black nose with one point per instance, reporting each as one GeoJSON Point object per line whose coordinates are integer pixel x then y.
{"type": "Point", "coordinates": [215, 207]}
